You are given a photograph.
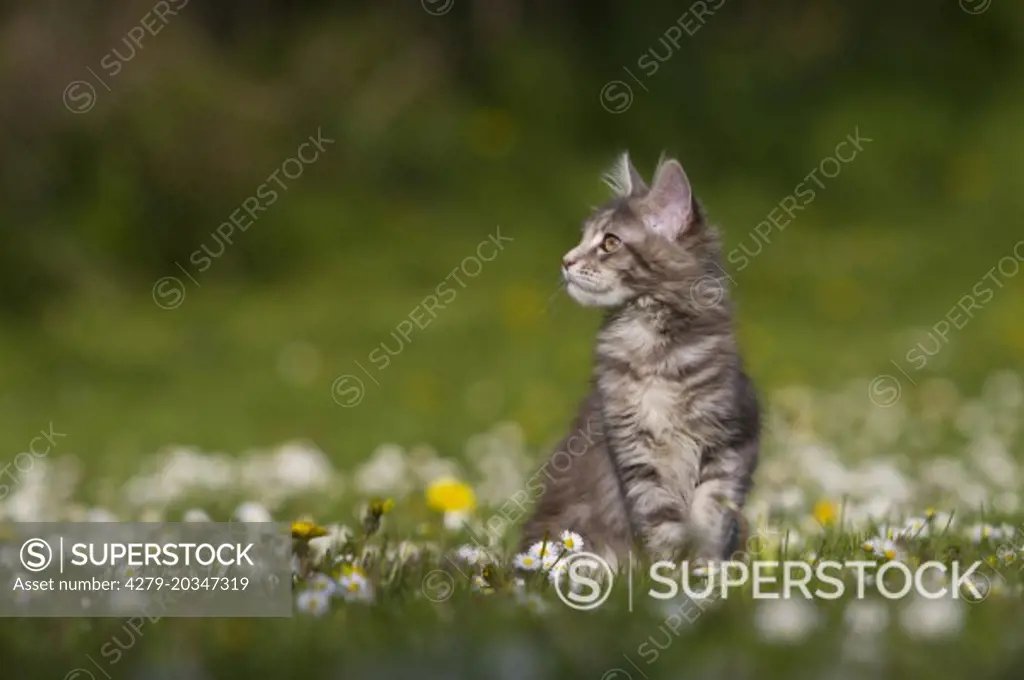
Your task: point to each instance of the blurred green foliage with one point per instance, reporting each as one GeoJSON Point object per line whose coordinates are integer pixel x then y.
{"type": "Point", "coordinates": [446, 109]}
{"type": "Point", "coordinates": [445, 127]}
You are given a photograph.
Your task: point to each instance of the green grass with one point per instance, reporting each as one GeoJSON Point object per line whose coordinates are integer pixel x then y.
{"type": "Point", "coordinates": [427, 618]}
{"type": "Point", "coordinates": [827, 305]}
{"type": "Point", "coordinates": [241, 366]}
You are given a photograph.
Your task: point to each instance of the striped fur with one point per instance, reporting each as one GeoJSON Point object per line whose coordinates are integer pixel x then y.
{"type": "Point", "coordinates": [671, 461]}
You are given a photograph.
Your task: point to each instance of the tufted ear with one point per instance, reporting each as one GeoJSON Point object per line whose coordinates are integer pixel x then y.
{"type": "Point", "coordinates": [623, 178]}
{"type": "Point", "coordinates": [668, 208]}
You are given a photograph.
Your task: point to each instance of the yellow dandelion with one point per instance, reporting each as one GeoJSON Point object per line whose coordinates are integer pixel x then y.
{"type": "Point", "coordinates": [825, 512]}
{"type": "Point", "coordinates": [380, 506]}
{"type": "Point", "coordinates": [307, 530]}
{"type": "Point", "coordinates": [451, 495]}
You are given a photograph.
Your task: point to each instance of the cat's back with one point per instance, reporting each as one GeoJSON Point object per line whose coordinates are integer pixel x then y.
{"type": "Point", "coordinates": [580, 490]}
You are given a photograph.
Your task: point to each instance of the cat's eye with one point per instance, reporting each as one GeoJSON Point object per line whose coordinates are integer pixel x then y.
{"type": "Point", "coordinates": [610, 243]}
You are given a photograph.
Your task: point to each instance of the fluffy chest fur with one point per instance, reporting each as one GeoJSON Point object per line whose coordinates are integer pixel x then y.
{"type": "Point", "coordinates": [661, 381]}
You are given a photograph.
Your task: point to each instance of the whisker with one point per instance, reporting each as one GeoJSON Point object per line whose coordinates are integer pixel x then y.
{"type": "Point", "coordinates": [558, 289]}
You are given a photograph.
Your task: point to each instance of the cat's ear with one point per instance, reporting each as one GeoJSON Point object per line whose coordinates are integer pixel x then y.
{"type": "Point", "coordinates": [623, 178]}
{"type": "Point", "coordinates": [668, 207]}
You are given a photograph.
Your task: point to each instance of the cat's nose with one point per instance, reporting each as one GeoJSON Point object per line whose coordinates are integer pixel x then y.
{"type": "Point", "coordinates": [568, 262]}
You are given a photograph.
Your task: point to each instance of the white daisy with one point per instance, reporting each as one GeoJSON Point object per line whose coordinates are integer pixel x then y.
{"type": "Point", "coordinates": [471, 554]}
{"type": "Point", "coordinates": [1006, 555]}
{"type": "Point", "coordinates": [555, 572]}
{"type": "Point", "coordinates": [455, 520]}
{"type": "Point", "coordinates": [915, 527]}
{"type": "Point", "coordinates": [316, 602]}
{"type": "Point", "coordinates": [543, 548]}
{"type": "Point", "coordinates": [549, 560]}
{"type": "Point", "coordinates": [882, 547]}
{"type": "Point", "coordinates": [526, 562]}
{"type": "Point", "coordinates": [322, 583]}
{"type": "Point", "coordinates": [940, 521]}
{"type": "Point", "coordinates": [571, 541]}
{"type": "Point", "coordinates": [355, 587]}
{"type": "Point", "coordinates": [981, 531]}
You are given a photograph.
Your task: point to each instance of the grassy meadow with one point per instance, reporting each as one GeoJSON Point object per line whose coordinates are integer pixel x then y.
{"type": "Point", "coordinates": [882, 323]}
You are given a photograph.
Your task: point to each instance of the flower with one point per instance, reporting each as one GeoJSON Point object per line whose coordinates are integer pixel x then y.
{"type": "Point", "coordinates": [825, 512]}
{"type": "Point", "coordinates": [450, 495]}
{"type": "Point", "coordinates": [526, 562]}
{"type": "Point", "coordinates": [938, 519]}
{"type": "Point", "coordinates": [555, 572]}
{"type": "Point", "coordinates": [355, 587]}
{"type": "Point", "coordinates": [882, 546]}
{"type": "Point", "coordinates": [542, 548]}
{"type": "Point", "coordinates": [381, 506]}
{"type": "Point", "coordinates": [471, 554]}
{"type": "Point", "coordinates": [1005, 555]}
{"type": "Point", "coordinates": [571, 541]}
{"type": "Point", "coordinates": [549, 560]}
{"type": "Point", "coordinates": [915, 527]}
{"type": "Point", "coordinates": [307, 530]}
{"type": "Point", "coordinates": [322, 583]}
{"type": "Point", "coordinates": [455, 520]}
{"type": "Point", "coordinates": [316, 602]}
{"type": "Point", "coordinates": [981, 531]}
{"type": "Point", "coordinates": [374, 513]}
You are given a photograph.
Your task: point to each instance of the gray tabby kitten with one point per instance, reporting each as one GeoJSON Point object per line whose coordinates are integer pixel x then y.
{"type": "Point", "coordinates": [664, 448]}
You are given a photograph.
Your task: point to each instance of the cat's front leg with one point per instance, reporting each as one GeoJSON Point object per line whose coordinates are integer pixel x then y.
{"type": "Point", "coordinates": [716, 520]}
{"type": "Point", "coordinates": [656, 503]}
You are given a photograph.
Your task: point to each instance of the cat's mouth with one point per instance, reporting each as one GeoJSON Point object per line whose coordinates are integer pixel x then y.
{"type": "Point", "coordinates": [583, 284]}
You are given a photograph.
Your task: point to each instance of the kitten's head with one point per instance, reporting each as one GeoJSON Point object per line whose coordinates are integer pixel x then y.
{"type": "Point", "coordinates": [645, 242]}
